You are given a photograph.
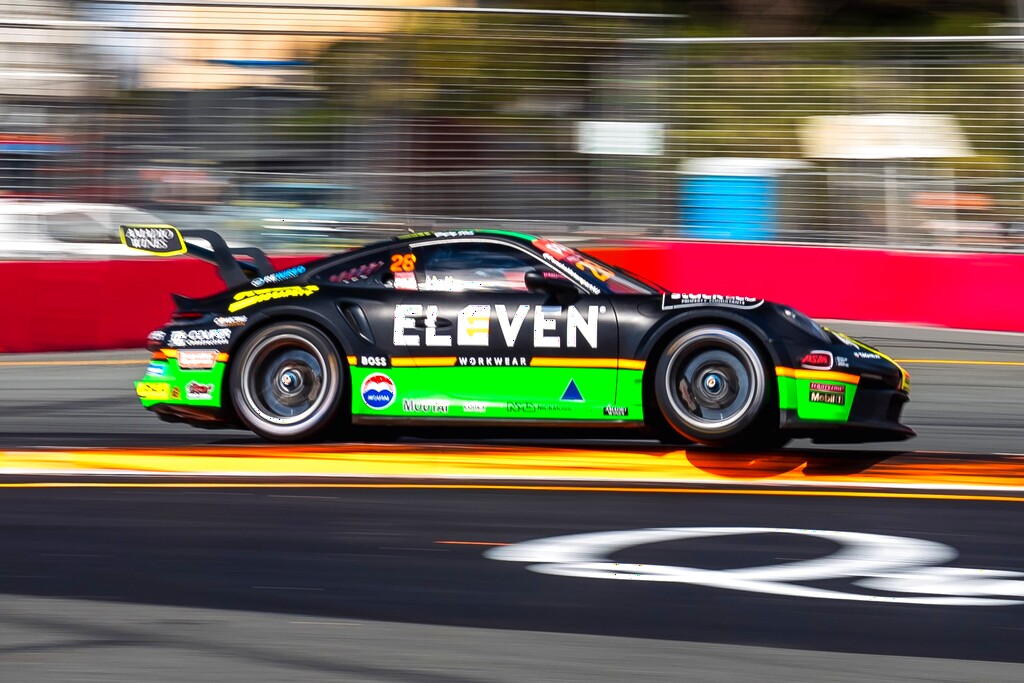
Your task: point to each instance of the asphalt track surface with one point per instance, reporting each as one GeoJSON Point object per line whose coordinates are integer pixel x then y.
{"type": "Point", "coordinates": [380, 578]}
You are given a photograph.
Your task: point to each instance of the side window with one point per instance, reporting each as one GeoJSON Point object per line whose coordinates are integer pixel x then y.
{"type": "Point", "coordinates": [365, 272]}
{"type": "Point", "coordinates": [468, 266]}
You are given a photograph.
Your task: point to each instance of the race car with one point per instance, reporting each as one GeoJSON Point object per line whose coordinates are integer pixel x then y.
{"type": "Point", "coordinates": [489, 328]}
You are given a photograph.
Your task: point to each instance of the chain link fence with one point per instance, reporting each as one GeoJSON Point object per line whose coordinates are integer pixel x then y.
{"type": "Point", "coordinates": [312, 124]}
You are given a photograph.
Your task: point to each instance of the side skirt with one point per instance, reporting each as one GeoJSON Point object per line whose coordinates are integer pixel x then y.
{"type": "Point", "coordinates": [481, 422]}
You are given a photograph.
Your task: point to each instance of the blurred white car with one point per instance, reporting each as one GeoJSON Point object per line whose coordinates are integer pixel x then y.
{"type": "Point", "coordinates": [62, 230]}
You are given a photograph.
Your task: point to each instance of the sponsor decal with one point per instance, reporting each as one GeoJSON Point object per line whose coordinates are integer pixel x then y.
{"type": "Point", "coordinates": [280, 275]}
{"type": "Point", "coordinates": [433, 283]}
{"type": "Point", "coordinates": [454, 233]}
{"type": "Point", "coordinates": [827, 397]}
{"type": "Point", "coordinates": [199, 337]}
{"type": "Point", "coordinates": [161, 240]}
{"type": "Point", "coordinates": [842, 362]}
{"type": "Point", "coordinates": [817, 360]}
{"type": "Point", "coordinates": [426, 405]}
{"type": "Point", "coordinates": [572, 392]}
{"type": "Point", "coordinates": [571, 274]}
{"type": "Point", "coordinates": [834, 388]}
{"type": "Point", "coordinates": [156, 370]}
{"type": "Point", "coordinates": [866, 355]}
{"type": "Point", "coordinates": [415, 235]}
{"type": "Point", "coordinates": [194, 391]}
{"type": "Point", "coordinates": [570, 257]}
{"type": "Point", "coordinates": [405, 281]}
{"type": "Point", "coordinates": [474, 407]}
{"type": "Point", "coordinates": [670, 301]}
{"type": "Point", "coordinates": [230, 321]}
{"type": "Point", "coordinates": [157, 336]}
{"type": "Point", "coordinates": [357, 273]}
{"type": "Point", "coordinates": [374, 362]}
{"type": "Point", "coordinates": [378, 391]}
{"type": "Point", "coordinates": [189, 359]}
{"type": "Point", "coordinates": [616, 411]}
{"type": "Point", "coordinates": [529, 407]}
{"type": "Point", "coordinates": [175, 393]}
{"type": "Point", "coordinates": [153, 390]}
{"type": "Point", "coordinates": [258, 296]}
{"type": "Point", "coordinates": [492, 361]}
{"type": "Point", "coordinates": [875, 568]}
{"type": "Point", "coordinates": [473, 326]}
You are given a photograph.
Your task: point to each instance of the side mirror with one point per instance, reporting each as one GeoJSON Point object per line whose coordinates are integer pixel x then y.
{"type": "Point", "coordinates": [561, 289]}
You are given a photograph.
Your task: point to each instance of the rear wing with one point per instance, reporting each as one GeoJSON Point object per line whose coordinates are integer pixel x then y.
{"type": "Point", "coordinates": [167, 240]}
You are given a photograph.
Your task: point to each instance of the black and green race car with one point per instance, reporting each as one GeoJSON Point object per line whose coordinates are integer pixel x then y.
{"type": "Point", "coordinates": [490, 328]}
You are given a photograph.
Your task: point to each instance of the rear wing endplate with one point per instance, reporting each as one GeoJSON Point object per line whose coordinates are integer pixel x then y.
{"type": "Point", "coordinates": [167, 240]}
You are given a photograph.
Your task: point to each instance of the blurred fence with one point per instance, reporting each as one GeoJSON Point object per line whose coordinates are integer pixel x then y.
{"type": "Point", "coordinates": [293, 122]}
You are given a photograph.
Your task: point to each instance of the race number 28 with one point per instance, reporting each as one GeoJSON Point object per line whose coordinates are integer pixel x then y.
{"type": "Point", "coordinates": [403, 263]}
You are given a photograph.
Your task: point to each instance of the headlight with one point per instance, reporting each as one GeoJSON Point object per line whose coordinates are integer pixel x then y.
{"type": "Point", "coordinates": [798, 319]}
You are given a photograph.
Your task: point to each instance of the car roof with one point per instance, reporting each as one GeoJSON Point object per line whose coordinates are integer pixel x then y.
{"type": "Point", "coordinates": [462, 234]}
{"type": "Point", "coordinates": [424, 236]}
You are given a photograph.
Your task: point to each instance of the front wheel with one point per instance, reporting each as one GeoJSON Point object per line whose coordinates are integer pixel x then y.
{"type": "Point", "coordinates": [711, 387]}
{"type": "Point", "coordinates": [286, 382]}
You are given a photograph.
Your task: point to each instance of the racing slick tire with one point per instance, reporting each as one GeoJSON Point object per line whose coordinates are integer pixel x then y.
{"type": "Point", "coordinates": [286, 382]}
{"type": "Point", "coordinates": [711, 386]}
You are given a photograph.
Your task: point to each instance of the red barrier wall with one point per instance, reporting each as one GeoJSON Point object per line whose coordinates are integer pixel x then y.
{"type": "Point", "coordinates": [82, 305]}
{"type": "Point", "coordinates": [66, 306]}
{"type": "Point", "coordinates": [959, 290]}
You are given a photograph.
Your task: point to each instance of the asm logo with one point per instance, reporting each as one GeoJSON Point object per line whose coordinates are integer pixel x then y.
{"type": "Point", "coordinates": [817, 360]}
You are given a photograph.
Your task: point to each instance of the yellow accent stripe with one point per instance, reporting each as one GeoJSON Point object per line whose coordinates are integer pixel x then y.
{"type": "Point", "coordinates": [351, 360]}
{"type": "Point", "coordinates": [574, 363]}
{"type": "Point", "coordinates": [931, 361]}
{"type": "Point", "coordinates": [469, 543]}
{"type": "Point", "coordinates": [623, 363]}
{"type": "Point", "coordinates": [424, 362]}
{"type": "Point", "coordinates": [824, 375]}
{"type": "Point", "coordinates": [173, 353]}
{"type": "Point", "coordinates": [506, 487]}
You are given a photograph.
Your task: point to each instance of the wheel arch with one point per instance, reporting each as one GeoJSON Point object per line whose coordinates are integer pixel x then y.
{"type": "Point", "coordinates": [289, 314]}
{"type": "Point", "coordinates": [662, 335]}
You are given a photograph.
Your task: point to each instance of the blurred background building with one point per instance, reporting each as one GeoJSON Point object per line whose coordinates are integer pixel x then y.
{"type": "Point", "coordinates": [307, 123]}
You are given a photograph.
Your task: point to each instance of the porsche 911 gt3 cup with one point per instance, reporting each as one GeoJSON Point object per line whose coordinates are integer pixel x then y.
{"type": "Point", "coordinates": [467, 328]}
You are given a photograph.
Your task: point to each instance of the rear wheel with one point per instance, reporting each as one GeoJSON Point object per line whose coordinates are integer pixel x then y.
{"type": "Point", "coordinates": [286, 382]}
{"type": "Point", "coordinates": [712, 388]}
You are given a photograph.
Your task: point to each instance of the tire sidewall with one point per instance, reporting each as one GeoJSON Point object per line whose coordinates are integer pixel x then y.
{"type": "Point", "coordinates": [321, 418]}
{"type": "Point", "coordinates": [667, 395]}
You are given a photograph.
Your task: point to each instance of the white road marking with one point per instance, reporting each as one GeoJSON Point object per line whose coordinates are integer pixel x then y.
{"type": "Point", "coordinates": [893, 564]}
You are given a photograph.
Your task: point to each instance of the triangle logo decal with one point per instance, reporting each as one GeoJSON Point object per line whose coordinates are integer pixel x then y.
{"type": "Point", "coordinates": [572, 392]}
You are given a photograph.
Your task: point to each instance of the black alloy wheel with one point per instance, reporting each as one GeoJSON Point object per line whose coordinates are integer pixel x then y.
{"type": "Point", "coordinates": [286, 382]}
{"type": "Point", "coordinates": [711, 386]}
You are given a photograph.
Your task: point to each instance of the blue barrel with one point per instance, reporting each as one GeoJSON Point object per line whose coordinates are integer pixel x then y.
{"type": "Point", "coordinates": [729, 207]}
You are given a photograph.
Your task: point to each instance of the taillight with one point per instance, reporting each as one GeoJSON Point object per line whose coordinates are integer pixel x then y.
{"type": "Point", "coordinates": [182, 316]}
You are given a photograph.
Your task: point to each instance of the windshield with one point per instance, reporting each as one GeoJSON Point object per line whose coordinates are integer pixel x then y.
{"type": "Point", "coordinates": [605, 277]}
